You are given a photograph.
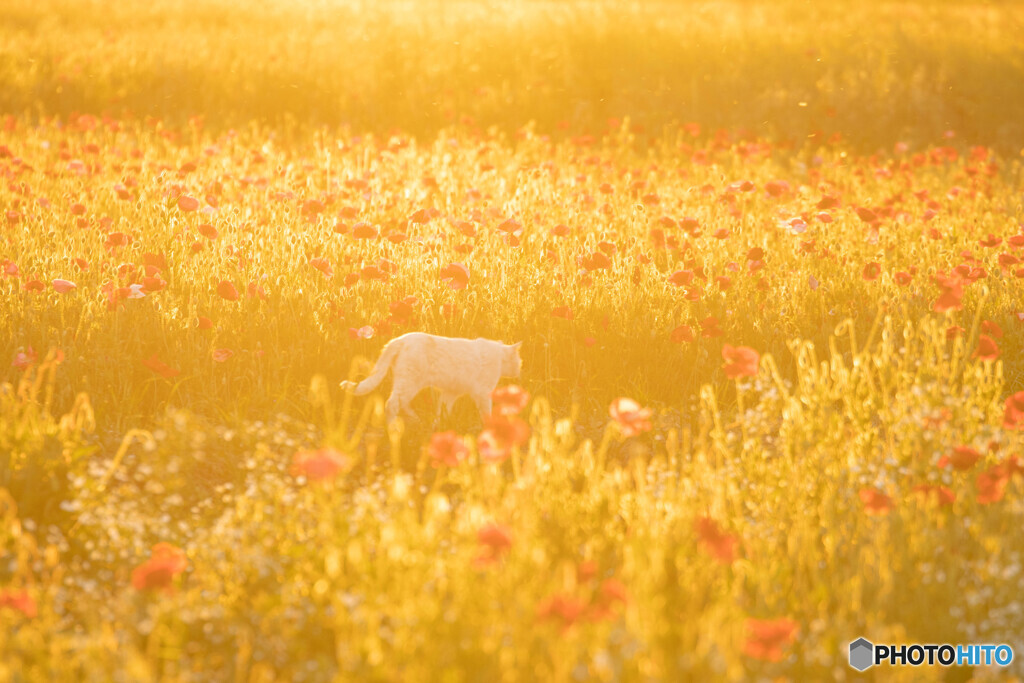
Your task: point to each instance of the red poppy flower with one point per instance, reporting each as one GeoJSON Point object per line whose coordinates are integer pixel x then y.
{"type": "Point", "coordinates": [19, 600]}
{"type": "Point", "coordinates": [992, 328]}
{"type": "Point", "coordinates": [740, 361]}
{"type": "Point", "coordinates": [364, 332]}
{"type": "Point", "coordinates": [683, 333]}
{"type": "Point", "coordinates": [323, 265]}
{"type": "Point", "coordinates": [709, 327]}
{"type": "Point", "coordinates": [495, 540]}
{"type": "Point", "coordinates": [226, 290]}
{"type": "Point", "coordinates": [992, 482]}
{"type": "Point", "coordinates": [501, 434]}
{"type": "Point", "coordinates": [402, 312]}
{"type": "Point", "coordinates": [509, 400]}
{"type": "Point", "coordinates": [875, 502]}
{"type": "Point", "coordinates": [447, 448]}
{"type": "Point", "coordinates": [596, 261]}
{"type": "Point", "coordinates": [153, 284]}
{"type": "Point", "coordinates": [223, 355]}
{"type": "Point", "coordinates": [320, 464]}
{"type": "Point", "coordinates": [23, 359]}
{"type": "Point", "coordinates": [208, 231]}
{"type": "Point", "coordinates": [718, 543]}
{"type": "Point", "coordinates": [871, 271]}
{"type": "Point", "coordinates": [510, 226]}
{"type": "Point", "coordinates": [987, 348]}
{"type": "Point", "coordinates": [562, 312]}
{"type": "Point", "coordinates": [681, 278]}
{"type": "Point", "coordinates": [204, 323]}
{"type": "Point", "coordinates": [254, 290]}
{"type": "Point", "coordinates": [767, 637]}
{"type": "Point", "coordinates": [942, 495]}
{"type": "Point", "coordinates": [963, 458]}
{"type": "Point", "coordinates": [991, 486]}
{"type": "Point", "coordinates": [424, 216]}
{"type": "Point", "coordinates": [1013, 414]}
{"type": "Point", "coordinates": [165, 562]}
{"type": "Point", "coordinates": [564, 608]}
{"type": "Point", "coordinates": [455, 275]}
{"type": "Point", "coordinates": [370, 273]}
{"type": "Point", "coordinates": [866, 214]}
{"type": "Point", "coordinates": [364, 231]}
{"type": "Point", "coordinates": [64, 286]}
{"type": "Point", "coordinates": [951, 294]}
{"type": "Point", "coordinates": [495, 537]}
{"type": "Point", "coordinates": [689, 224]}
{"type": "Point", "coordinates": [630, 417]}
{"type": "Point", "coordinates": [33, 284]}
{"type": "Point", "coordinates": [160, 368]}
{"type": "Point", "coordinates": [312, 208]}
{"type": "Point", "coordinates": [1006, 260]}
{"type": "Point", "coordinates": [187, 203]}
{"type": "Point", "coordinates": [491, 449]}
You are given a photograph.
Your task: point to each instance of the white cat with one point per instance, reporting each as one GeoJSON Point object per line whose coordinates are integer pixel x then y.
{"type": "Point", "coordinates": [455, 366]}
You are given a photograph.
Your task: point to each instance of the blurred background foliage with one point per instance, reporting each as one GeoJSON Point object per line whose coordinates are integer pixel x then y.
{"type": "Point", "coordinates": [871, 71]}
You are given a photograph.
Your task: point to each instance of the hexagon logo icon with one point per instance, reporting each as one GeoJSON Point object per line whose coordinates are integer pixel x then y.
{"type": "Point", "coordinates": [862, 654]}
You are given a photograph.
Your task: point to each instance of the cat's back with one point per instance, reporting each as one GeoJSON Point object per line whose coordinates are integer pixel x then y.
{"type": "Point", "coordinates": [427, 339]}
{"type": "Point", "coordinates": [433, 345]}
{"type": "Point", "coordinates": [448, 351]}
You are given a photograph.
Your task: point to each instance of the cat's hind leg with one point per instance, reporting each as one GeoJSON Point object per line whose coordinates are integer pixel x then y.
{"type": "Point", "coordinates": [391, 408]}
{"type": "Point", "coordinates": [445, 408]}
{"type": "Point", "coordinates": [400, 401]}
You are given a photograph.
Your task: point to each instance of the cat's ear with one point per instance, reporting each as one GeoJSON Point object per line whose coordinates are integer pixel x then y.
{"type": "Point", "coordinates": [516, 346]}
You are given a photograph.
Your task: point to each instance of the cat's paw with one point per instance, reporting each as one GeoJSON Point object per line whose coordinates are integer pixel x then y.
{"type": "Point", "coordinates": [348, 385]}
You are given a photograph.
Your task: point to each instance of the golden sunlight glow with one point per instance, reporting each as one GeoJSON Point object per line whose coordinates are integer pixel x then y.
{"type": "Point", "coordinates": [553, 340]}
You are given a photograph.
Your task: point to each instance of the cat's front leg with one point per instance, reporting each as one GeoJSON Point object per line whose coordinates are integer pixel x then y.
{"type": "Point", "coordinates": [483, 404]}
{"type": "Point", "coordinates": [447, 401]}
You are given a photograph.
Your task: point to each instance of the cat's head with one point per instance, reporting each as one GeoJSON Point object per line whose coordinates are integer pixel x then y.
{"type": "Point", "coordinates": [511, 363]}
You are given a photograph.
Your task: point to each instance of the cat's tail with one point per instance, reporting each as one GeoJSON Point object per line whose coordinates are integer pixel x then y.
{"type": "Point", "coordinates": [380, 370]}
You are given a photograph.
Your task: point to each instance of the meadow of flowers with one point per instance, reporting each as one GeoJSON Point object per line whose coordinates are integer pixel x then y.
{"type": "Point", "coordinates": [772, 379]}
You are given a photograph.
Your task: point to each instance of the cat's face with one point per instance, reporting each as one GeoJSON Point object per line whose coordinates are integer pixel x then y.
{"type": "Point", "coordinates": [511, 363]}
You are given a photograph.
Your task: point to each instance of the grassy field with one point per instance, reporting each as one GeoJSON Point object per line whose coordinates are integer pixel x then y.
{"type": "Point", "coordinates": [764, 260]}
{"type": "Point", "coordinates": [874, 71]}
